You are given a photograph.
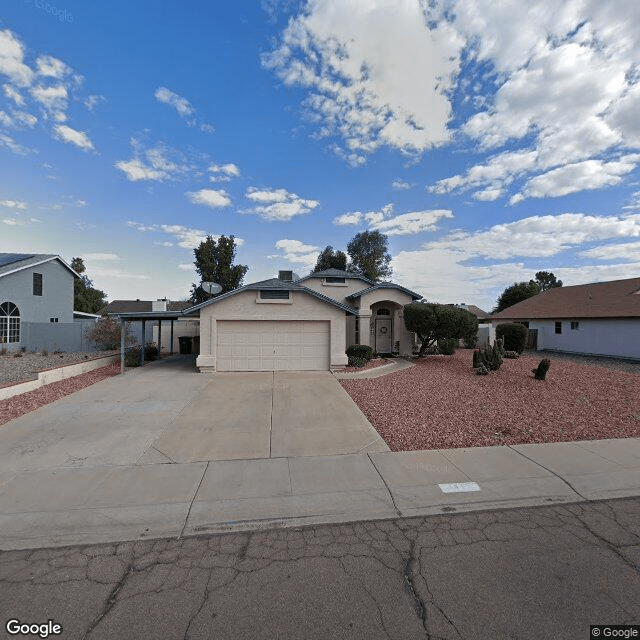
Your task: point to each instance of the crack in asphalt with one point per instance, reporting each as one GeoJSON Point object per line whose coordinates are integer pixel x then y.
{"type": "Point", "coordinates": [397, 571]}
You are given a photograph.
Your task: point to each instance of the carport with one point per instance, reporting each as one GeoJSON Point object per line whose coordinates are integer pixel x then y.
{"type": "Point", "coordinates": [144, 317]}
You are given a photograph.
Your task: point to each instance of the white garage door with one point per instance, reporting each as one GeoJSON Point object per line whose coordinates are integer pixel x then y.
{"type": "Point", "coordinates": [272, 345]}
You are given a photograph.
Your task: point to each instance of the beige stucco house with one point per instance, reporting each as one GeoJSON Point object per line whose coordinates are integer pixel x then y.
{"type": "Point", "coordinates": [301, 324]}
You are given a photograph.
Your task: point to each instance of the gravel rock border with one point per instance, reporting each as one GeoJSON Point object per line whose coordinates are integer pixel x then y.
{"type": "Point", "coordinates": [26, 366]}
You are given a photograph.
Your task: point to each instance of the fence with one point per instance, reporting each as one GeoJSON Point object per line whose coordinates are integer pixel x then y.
{"type": "Point", "coordinates": [54, 336]}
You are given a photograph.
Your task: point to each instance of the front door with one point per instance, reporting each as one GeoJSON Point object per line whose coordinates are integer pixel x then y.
{"type": "Point", "coordinates": [383, 335]}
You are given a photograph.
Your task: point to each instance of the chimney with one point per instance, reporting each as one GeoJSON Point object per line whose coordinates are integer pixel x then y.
{"type": "Point", "coordinates": [159, 305]}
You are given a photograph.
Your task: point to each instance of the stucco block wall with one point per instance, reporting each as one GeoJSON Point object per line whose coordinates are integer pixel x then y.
{"type": "Point", "coordinates": [338, 292]}
{"type": "Point", "coordinates": [609, 337]}
{"type": "Point", "coordinates": [247, 306]}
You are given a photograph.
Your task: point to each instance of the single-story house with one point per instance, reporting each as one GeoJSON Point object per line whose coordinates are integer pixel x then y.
{"type": "Point", "coordinates": [185, 330]}
{"type": "Point", "coordinates": [34, 289]}
{"type": "Point", "coordinates": [303, 324]}
{"type": "Point", "coordinates": [601, 318]}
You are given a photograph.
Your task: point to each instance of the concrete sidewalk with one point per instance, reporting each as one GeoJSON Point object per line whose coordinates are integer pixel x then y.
{"type": "Point", "coordinates": [64, 506]}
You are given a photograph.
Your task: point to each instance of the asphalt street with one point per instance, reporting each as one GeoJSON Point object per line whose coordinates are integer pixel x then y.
{"type": "Point", "coordinates": [526, 573]}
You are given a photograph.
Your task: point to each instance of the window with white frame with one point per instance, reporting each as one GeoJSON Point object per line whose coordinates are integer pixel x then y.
{"type": "Point", "coordinates": [9, 323]}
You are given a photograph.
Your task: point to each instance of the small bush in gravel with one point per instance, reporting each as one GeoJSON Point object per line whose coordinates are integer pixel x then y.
{"type": "Point", "coordinates": [447, 347]}
{"type": "Point", "coordinates": [18, 354]}
{"type": "Point", "coordinates": [541, 370]}
{"type": "Point", "coordinates": [44, 352]}
{"type": "Point", "coordinates": [511, 354]}
{"type": "Point", "coordinates": [481, 370]}
{"type": "Point", "coordinates": [513, 334]}
{"type": "Point", "coordinates": [356, 362]}
{"type": "Point", "coordinates": [490, 358]}
{"type": "Point", "coordinates": [3, 351]}
{"type": "Point", "coordinates": [363, 351]}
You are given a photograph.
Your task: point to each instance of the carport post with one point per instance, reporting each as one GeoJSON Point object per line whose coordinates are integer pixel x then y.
{"type": "Point", "coordinates": [171, 343]}
{"type": "Point", "coordinates": [121, 346]}
{"type": "Point", "coordinates": [143, 342]}
{"type": "Point", "coordinates": [159, 338]}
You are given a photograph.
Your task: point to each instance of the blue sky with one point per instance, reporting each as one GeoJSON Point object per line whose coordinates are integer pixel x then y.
{"type": "Point", "coordinates": [488, 139]}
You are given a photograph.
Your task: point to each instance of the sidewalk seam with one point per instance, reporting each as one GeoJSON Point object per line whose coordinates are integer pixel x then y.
{"type": "Point", "coordinates": [184, 526]}
{"type": "Point", "coordinates": [395, 506]}
{"type": "Point", "coordinates": [557, 475]}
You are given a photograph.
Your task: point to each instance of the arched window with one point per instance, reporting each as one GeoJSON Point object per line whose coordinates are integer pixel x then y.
{"type": "Point", "coordinates": [383, 311]}
{"type": "Point", "coordinates": [9, 323]}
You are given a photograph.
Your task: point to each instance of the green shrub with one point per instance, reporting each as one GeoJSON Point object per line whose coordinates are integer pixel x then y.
{"type": "Point", "coordinates": [132, 356]}
{"type": "Point", "coordinates": [44, 352]}
{"type": "Point", "coordinates": [481, 370]}
{"type": "Point", "coordinates": [470, 342]}
{"type": "Point", "coordinates": [357, 362]}
{"type": "Point", "coordinates": [447, 346]}
{"type": "Point", "coordinates": [511, 354]}
{"type": "Point", "coordinates": [150, 351]}
{"type": "Point", "coordinates": [489, 358]}
{"type": "Point", "coordinates": [514, 336]}
{"type": "Point", "coordinates": [363, 351]}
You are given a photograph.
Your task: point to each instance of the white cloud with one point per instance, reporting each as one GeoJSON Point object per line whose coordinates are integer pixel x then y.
{"type": "Point", "coordinates": [93, 100]}
{"type": "Point", "coordinates": [210, 197]}
{"type": "Point", "coordinates": [157, 163]}
{"type": "Point", "coordinates": [186, 266]}
{"type": "Point", "coordinates": [297, 252]}
{"type": "Point", "coordinates": [180, 104]}
{"type": "Point", "coordinates": [537, 236]}
{"type": "Point", "coordinates": [207, 128]}
{"type": "Point", "coordinates": [12, 59]}
{"type": "Point", "coordinates": [401, 185]}
{"type": "Point", "coordinates": [10, 221]}
{"type": "Point", "coordinates": [364, 86]}
{"type": "Point", "coordinates": [17, 119]}
{"type": "Point", "coordinates": [348, 218]}
{"type": "Point", "coordinates": [51, 67]}
{"type": "Point", "coordinates": [411, 223]}
{"type": "Point", "coordinates": [400, 225]}
{"type": "Point", "coordinates": [53, 99]}
{"type": "Point", "coordinates": [79, 138]}
{"type": "Point", "coordinates": [278, 204]}
{"type": "Point", "coordinates": [136, 170]}
{"type": "Point", "coordinates": [187, 237]}
{"type": "Point", "coordinates": [13, 146]}
{"type": "Point", "coordinates": [223, 173]}
{"type": "Point", "coordinates": [587, 175]}
{"type": "Point", "coordinates": [626, 251]}
{"type": "Point", "coordinates": [101, 257]}
{"type": "Point", "coordinates": [13, 94]}
{"type": "Point", "coordinates": [13, 204]}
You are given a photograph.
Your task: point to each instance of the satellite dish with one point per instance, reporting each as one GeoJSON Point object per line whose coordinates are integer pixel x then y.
{"type": "Point", "coordinates": [211, 287]}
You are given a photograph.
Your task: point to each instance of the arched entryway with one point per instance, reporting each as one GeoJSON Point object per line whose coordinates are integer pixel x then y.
{"type": "Point", "coordinates": [384, 328]}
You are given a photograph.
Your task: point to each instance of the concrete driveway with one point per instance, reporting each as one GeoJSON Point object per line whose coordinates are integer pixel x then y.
{"type": "Point", "coordinates": [167, 412]}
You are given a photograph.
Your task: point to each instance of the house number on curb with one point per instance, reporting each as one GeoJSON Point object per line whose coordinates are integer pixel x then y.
{"type": "Point", "coordinates": [459, 487]}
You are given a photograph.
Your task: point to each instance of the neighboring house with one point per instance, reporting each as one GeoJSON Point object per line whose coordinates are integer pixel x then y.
{"type": "Point", "coordinates": [602, 318]}
{"type": "Point", "coordinates": [305, 324]}
{"type": "Point", "coordinates": [34, 289]}
{"type": "Point", "coordinates": [185, 328]}
{"type": "Point", "coordinates": [483, 316]}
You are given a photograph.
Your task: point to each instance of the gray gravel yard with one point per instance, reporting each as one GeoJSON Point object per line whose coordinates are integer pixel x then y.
{"type": "Point", "coordinates": [615, 364]}
{"type": "Point", "coordinates": [26, 366]}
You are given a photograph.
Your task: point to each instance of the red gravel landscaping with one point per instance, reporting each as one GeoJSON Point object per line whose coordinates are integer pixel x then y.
{"type": "Point", "coordinates": [24, 403]}
{"type": "Point", "coordinates": [441, 403]}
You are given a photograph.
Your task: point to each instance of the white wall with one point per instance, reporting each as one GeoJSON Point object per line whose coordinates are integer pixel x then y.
{"type": "Point", "coordinates": [248, 306]}
{"type": "Point", "coordinates": [610, 337]}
